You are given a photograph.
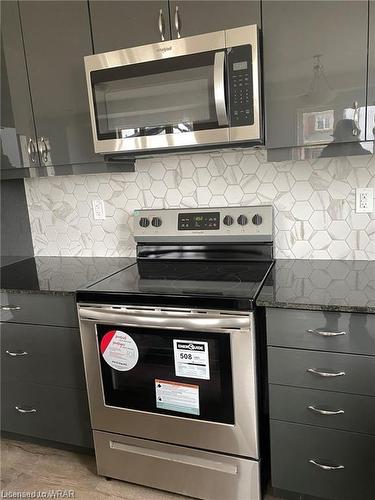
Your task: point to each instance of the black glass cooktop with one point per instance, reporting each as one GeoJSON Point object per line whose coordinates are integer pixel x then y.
{"type": "Point", "coordinates": [182, 282]}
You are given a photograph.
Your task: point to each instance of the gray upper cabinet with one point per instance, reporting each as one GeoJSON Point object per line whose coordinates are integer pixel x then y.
{"type": "Point", "coordinates": [371, 76]}
{"type": "Point", "coordinates": [315, 67]}
{"type": "Point", "coordinates": [57, 37]}
{"type": "Point", "coordinates": [18, 138]}
{"type": "Point", "coordinates": [122, 24]}
{"type": "Point", "coordinates": [196, 17]}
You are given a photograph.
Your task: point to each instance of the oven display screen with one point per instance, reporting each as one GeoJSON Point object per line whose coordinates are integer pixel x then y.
{"type": "Point", "coordinates": [203, 220]}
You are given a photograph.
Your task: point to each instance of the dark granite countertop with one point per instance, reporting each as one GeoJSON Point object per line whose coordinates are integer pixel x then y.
{"type": "Point", "coordinates": [325, 285]}
{"type": "Point", "coordinates": [59, 275]}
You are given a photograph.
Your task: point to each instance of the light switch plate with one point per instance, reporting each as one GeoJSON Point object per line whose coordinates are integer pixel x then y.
{"type": "Point", "coordinates": [364, 200]}
{"type": "Point", "coordinates": [98, 209]}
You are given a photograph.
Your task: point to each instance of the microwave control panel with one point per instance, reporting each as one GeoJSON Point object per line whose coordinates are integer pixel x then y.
{"type": "Point", "coordinates": [240, 85]}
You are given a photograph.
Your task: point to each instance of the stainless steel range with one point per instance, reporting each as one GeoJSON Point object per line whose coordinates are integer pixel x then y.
{"type": "Point", "coordinates": [170, 353]}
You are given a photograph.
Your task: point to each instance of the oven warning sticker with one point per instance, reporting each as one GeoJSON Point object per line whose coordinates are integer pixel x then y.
{"type": "Point", "coordinates": [119, 350]}
{"type": "Point", "coordinates": [191, 359]}
{"type": "Point", "coordinates": [175, 396]}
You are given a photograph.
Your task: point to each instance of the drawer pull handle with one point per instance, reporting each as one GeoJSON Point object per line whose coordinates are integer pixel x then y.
{"type": "Point", "coordinates": [326, 467]}
{"type": "Point", "coordinates": [10, 308]}
{"type": "Point", "coordinates": [325, 412]}
{"type": "Point", "coordinates": [25, 410]}
{"type": "Point", "coordinates": [16, 353]}
{"type": "Point", "coordinates": [323, 333]}
{"type": "Point", "coordinates": [325, 374]}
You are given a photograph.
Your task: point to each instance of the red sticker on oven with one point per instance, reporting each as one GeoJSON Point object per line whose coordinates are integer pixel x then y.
{"type": "Point", "coordinates": [119, 350]}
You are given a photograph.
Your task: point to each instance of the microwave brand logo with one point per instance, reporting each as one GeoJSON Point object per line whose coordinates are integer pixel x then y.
{"type": "Point", "coordinates": [190, 347]}
{"type": "Point", "coordinates": [164, 49]}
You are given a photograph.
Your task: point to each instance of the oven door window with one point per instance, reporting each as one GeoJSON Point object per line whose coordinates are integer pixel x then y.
{"type": "Point", "coordinates": [152, 370]}
{"type": "Point", "coordinates": [173, 95]}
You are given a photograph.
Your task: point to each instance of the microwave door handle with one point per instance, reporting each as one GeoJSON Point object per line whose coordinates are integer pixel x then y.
{"type": "Point", "coordinates": [219, 88]}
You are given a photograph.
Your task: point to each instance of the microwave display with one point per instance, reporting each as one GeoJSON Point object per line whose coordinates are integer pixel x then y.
{"type": "Point", "coordinates": [238, 66]}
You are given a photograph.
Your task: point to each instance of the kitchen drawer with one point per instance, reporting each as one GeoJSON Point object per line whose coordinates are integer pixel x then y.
{"type": "Point", "coordinates": [190, 472]}
{"type": "Point", "coordinates": [42, 354]}
{"type": "Point", "coordinates": [332, 371]}
{"type": "Point", "coordinates": [347, 411]}
{"type": "Point", "coordinates": [61, 414]}
{"type": "Point", "coordinates": [294, 445]}
{"type": "Point", "coordinates": [39, 309]}
{"type": "Point", "coordinates": [351, 333]}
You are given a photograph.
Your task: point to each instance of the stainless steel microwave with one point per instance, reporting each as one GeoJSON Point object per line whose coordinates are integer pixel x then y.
{"type": "Point", "coordinates": [191, 92]}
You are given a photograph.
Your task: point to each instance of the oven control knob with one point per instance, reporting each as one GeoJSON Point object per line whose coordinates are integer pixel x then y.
{"type": "Point", "coordinates": [156, 221]}
{"type": "Point", "coordinates": [144, 222]}
{"type": "Point", "coordinates": [228, 220]}
{"type": "Point", "coordinates": [257, 219]}
{"type": "Point", "coordinates": [242, 220]}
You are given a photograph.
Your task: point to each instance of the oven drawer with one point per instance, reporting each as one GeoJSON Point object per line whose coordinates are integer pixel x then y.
{"type": "Point", "coordinates": [45, 309]}
{"type": "Point", "coordinates": [294, 445]}
{"type": "Point", "coordinates": [327, 371]}
{"type": "Point", "coordinates": [54, 413]}
{"type": "Point", "coordinates": [340, 411]}
{"type": "Point", "coordinates": [194, 473]}
{"type": "Point", "coordinates": [42, 354]}
{"type": "Point", "coordinates": [323, 331]}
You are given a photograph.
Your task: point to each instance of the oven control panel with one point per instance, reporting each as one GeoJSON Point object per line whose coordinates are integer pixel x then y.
{"type": "Point", "coordinates": [209, 224]}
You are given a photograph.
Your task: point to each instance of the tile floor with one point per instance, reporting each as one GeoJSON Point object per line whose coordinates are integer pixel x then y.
{"type": "Point", "coordinates": [27, 467]}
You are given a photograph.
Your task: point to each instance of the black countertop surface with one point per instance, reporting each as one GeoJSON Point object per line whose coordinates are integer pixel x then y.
{"type": "Point", "coordinates": [60, 275]}
{"type": "Point", "coordinates": [326, 285]}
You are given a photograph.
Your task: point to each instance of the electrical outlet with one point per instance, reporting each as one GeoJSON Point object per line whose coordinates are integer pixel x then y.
{"type": "Point", "coordinates": [364, 200]}
{"type": "Point", "coordinates": [98, 209]}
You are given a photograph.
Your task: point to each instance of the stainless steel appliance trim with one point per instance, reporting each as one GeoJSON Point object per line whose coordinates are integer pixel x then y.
{"type": "Point", "coordinates": [219, 89]}
{"type": "Point", "coordinates": [170, 319]}
{"type": "Point", "coordinates": [176, 457]}
{"type": "Point", "coordinates": [205, 238]}
{"type": "Point", "coordinates": [240, 438]}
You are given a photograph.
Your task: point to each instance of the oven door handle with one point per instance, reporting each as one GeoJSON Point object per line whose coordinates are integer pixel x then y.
{"type": "Point", "coordinates": [168, 319]}
{"type": "Point", "coordinates": [219, 88]}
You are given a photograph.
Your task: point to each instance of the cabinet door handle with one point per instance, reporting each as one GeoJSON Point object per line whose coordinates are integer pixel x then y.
{"type": "Point", "coordinates": [325, 374]}
{"type": "Point", "coordinates": [31, 149]}
{"type": "Point", "coordinates": [326, 467]}
{"type": "Point", "coordinates": [322, 333]}
{"type": "Point", "coordinates": [325, 412]}
{"type": "Point", "coordinates": [43, 149]}
{"type": "Point", "coordinates": [177, 22]}
{"type": "Point", "coordinates": [25, 410]}
{"type": "Point", "coordinates": [9, 307]}
{"type": "Point", "coordinates": [356, 130]}
{"type": "Point", "coordinates": [16, 353]}
{"type": "Point", "coordinates": [161, 25]}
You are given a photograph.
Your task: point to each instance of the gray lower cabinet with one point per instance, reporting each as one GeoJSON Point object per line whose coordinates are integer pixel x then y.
{"type": "Point", "coordinates": [43, 390]}
{"type": "Point", "coordinates": [321, 372]}
{"type": "Point", "coordinates": [193, 18]}
{"type": "Point", "coordinates": [57, 37]}
{"type": "Point", "coordinates": [118, 25]}
{"type": "Point", "coordinates": [334, 410]}
{"type": "Point", "coordinates": [42, 354]}
{"type": "Point", "coordinates": [324, 331]}
{"type": "Point", "coordinates": [47, 412]}
{"type": "Point", "coordinates": [17, 133]}
{"type": "Point", "coordinates": [322, 462]}
{"type": "Point", "coordinates": [315, 71]}
{"type": "Point", "coordinates": [370, 135]}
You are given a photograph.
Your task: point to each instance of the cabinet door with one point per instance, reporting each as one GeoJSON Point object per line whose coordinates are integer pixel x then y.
{"type": "Point", "coordinates": [119, 25]}
{"type": "Point", "coordinates": [371, 77]}
{"type": "Point", "coordinates": [18, 145]}
{"type": "Point", "coordinates": [57, 37]}
{"type": "Point", "coordinates": [315, 62]}
{"type": "Point", "coordinates": [196, 17]}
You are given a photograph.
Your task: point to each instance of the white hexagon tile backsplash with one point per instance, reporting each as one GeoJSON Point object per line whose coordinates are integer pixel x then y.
{"type": "Point", "coordinates": [313, 200]}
